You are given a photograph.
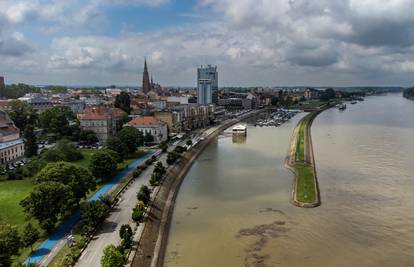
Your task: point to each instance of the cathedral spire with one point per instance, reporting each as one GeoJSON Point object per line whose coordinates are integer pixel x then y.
{"type": "Point", "coordinates": [146, 86]}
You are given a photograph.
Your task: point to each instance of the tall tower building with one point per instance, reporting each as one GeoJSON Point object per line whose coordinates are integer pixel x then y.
{"type": "Point", "coordinates": [146, 84]}
{"type": "Point", "coordinates": [207, 85]}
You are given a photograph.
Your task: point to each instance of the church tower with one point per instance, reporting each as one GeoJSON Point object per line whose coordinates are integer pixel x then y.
{"type": "Point", "coordinates": [146, 85]}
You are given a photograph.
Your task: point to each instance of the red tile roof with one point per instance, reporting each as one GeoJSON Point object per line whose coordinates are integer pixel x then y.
{"type": "Point", "coordinates": [101, 113]}
{"type": "Point", "coordinates": [144, 120]}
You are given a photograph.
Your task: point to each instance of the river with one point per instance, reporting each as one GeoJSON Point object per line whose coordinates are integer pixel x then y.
{"type": "Point", "coordinates": [233, 207]}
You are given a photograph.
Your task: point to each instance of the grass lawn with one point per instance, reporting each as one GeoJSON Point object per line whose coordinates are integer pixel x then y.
{"type": "Point", "coordinates": [12, 192]}
{"type": "Point", "coordinates": [311, 104]}
{"type": "Point", "coordinates": [305, 191]}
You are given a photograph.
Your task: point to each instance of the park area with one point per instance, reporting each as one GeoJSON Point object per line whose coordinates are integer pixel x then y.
{"type": "Point", "coordinates": [12, 192]}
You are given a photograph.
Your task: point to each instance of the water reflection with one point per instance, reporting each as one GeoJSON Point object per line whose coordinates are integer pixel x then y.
{"type": "Point", "coordinates": [239, 139]}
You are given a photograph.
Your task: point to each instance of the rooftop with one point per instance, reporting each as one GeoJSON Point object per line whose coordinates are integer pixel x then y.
{"type": "Point", "coordinates": [100, 113]}
{"type": "Point", "coordinates": [145, 120]}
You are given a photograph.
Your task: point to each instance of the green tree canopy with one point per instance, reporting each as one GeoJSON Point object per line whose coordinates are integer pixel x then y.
{"type": "Point", "coordinates": [123, 101]}
{"type": "Point", "coordinates": [148, 138]}
{"type": "Point", "coordinates": [57, 120]}
{"type": "Point", "coordinates": [22, 114]}
{"type": "Point", "coordinates": [9, 243]}
{"type": "Point", "coordinates": [131, 137]}
{"type": "Point", "coordinates": [114, 143]}
{"type": "Point", "coordinates": [64, 150]}
{"type": "Point", "coordinates": [47, 201]}
{"type": "Point", "coordinates": [30, 235]}
{"type": "Point", "coordinates": [92, 213]}
{"type": "Point", "coordinates": [30, 141]}
{"type": "Point", "coordinates": [103, 165]}
{"type": "Point", "coordinates": [112, 257]}
{"type": "Point", "coordinates": [88, 137]}
{"type": "Point", "coordinates": [78, 179]}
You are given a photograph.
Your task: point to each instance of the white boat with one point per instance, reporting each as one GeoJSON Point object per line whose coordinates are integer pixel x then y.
{"type": "Point", "coordinates": [239, 130]}
{"type": "Point", "coordinates": [342, 106]}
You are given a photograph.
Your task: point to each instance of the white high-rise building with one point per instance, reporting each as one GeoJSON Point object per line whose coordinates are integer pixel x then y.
{"type": "Point", "coordinates": [207, 85]}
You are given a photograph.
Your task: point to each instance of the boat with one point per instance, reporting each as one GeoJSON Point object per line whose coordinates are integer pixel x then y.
{"type": "Point", "coordinates": [354, 102]}
{"type": "Point", "coordinates": [342, 106]}
{"type": "Point", "coordinates": [239, 130]}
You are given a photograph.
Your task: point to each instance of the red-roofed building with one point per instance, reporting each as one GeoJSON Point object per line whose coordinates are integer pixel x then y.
{"type": "Point", "coordinates": [151, 125]}
{"type": "Point", "coordinates": [103, 121]}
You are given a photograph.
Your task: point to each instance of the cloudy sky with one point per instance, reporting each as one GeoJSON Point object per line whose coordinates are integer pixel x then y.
{"type": "Point", "coordinates": [253, 42]}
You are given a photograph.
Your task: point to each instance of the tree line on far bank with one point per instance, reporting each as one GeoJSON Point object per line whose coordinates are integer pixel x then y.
{"type": "Point", "coordinates": [409, 93]}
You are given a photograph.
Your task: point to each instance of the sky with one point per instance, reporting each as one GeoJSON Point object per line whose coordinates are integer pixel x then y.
{"type": "Point", "coordinates": [252, 42]}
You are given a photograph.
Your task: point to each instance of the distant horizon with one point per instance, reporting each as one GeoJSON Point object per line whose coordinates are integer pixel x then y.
{"type": "Point", "coordinates": [253, 43]}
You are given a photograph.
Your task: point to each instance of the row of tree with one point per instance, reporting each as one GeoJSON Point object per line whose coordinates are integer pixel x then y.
{"type": "Point", "coordinates": [409, 92]}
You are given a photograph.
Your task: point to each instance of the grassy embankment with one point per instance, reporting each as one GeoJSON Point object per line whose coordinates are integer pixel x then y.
{"type": "Point", "coordinates": [12, 192]}
{"type": "Point", "coordinates": [306, 180]}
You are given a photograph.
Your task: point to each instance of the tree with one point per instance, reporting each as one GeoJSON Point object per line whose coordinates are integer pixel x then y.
{"type": "Point", "coordinates": [159, 168]}
{"type": "Point", "coordinates": [30, 141]}
{"type": "Point", "coordinates": [9, 243]}
{"type": "Point", "coordinates": [123, 101]}
{"type": "Point", "coordinates": [125, 233]}
{"type": "Point", "coordinates": [163, 146]}
{"type": "Point", "coordinates": [131, 137]}
{"type": "Point", "coordinates": [47, 201]}
{"type": "Point", "coordinates": [103, 165]}
{"type": "Point", "coordinates": [144, 194]}
{"type": "Point", "coordinates": [78, 179]}
{"type": "Point", "coordinates": [88, 137]}
{"type": "Point", "coordinates": [57, 120]}
{"type": "Point", "coordinates": [29, 236]}
{"type": "Point", "coordinates": [138, 212]}
{"type": "Point", "coordinates": [115, 144]}
{"type": "Point", "coordinates": [112, 257]}
{"type": "Point", "coordinates": [148, 138]}
{"type": "Point", "coordinates": [274, 101]}
{"type": "Point", "coordinates": [21, 114]}
{"type": "Point", "coordinates": [92, 213]}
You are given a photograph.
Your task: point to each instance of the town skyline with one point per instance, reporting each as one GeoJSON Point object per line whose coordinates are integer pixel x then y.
{"type": "Point", "coordinates": [273, 43]}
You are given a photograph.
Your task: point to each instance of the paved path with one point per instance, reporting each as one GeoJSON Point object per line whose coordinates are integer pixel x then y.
{"type": "Point", "coordinates": [120, 214]}
{"type": "Point", "coordinates": [50, 247]}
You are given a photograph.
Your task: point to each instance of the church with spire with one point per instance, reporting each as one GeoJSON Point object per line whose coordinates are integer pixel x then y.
{"type": "Point", "coordinates": [146, 84]}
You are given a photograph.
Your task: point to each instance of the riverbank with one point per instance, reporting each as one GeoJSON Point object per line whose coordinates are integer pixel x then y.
{"type": "Point", "coordinates": [300, 160]}
{"type": "Point", "coordinates": [154, 238]}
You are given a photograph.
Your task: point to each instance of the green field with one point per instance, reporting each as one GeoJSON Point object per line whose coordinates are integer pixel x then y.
{"type": "Point", "coordinates": [305, 190]}
{"type": "Point", "coordinates": [12, 192]}
{"type": "Point", "coordinates": [311, 104]}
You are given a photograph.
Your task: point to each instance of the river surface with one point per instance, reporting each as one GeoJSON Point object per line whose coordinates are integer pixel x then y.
{"type": "Point", "coordinates": [233, 207]}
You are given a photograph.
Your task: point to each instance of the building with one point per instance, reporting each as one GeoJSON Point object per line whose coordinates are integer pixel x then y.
{"type": "Point", "coordinates": [11, 145]}
{"type": "Point", "coordinates": [173, 119]}
{"type": "Point", "coordinates": [207, 85]}
{"type": "Point", "coordinates": [151, 125]}
{"type": "Point", "coordinates": [146, 83]}
{"type": "Point", "coordinates": [311, 93]}
{"type": "Point", "coordinates": [36, 101]}
{"type": "Point", "coordinates": [103, 121]}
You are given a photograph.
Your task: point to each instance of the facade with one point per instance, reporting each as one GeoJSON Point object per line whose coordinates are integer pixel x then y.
{"type": "Point", "coordinates": [207, 85]}
{"type": "Point", "coordinates": [151, 125]}
{"type": "Point", "coordinates": [173, 119]}
{"type": "Point", "coordinates": [11, 145]}
{"type": "Point", "coordinates": [103, 121]}
{"type": "Point", "coordinates": [36, 101]}
{"type": "Point", "coordinates": [146, 84]}
{"type": "Point", "coordinates": [311, 93]}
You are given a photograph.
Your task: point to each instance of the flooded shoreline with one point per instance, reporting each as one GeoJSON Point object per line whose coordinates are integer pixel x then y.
{"type": "Point", "coordinates": [233, 207]}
